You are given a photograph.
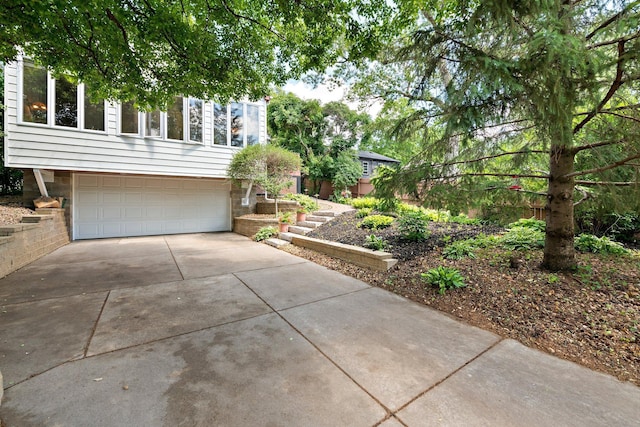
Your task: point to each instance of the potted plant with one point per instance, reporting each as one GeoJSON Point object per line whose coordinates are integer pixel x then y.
{"type": "Point", "coordinates": [301, 214]}
{"type": "Point", "coordinates": [284, 221]}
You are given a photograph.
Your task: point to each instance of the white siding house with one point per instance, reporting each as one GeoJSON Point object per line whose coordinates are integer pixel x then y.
{"type": "Point", "coordinates": [125, 172]}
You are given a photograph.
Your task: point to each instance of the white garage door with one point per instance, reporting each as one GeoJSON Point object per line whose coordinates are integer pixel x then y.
{"type": "Point", "coordinates": [120, 206]}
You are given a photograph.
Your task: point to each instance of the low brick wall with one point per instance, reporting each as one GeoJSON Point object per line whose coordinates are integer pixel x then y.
{"type": "Point", "coordinates": [250, 224]}
{"type": "Point", "coordinates": [374, 260]}
{"type": "Point", "coordinates": [35, 237]}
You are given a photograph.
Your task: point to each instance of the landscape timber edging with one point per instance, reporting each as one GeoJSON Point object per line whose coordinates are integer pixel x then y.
{"type": "Point", "coordinates": [374, 260]}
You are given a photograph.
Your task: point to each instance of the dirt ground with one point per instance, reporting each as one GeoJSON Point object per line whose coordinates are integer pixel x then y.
{"type": "Point", "coordinates": [590, 316]}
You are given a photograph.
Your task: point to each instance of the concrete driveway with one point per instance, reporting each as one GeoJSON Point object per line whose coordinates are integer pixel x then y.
{"type": "Point", "coordinates": [217, 330]}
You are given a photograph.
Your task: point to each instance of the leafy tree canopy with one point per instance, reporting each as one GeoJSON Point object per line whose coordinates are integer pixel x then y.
{"type": "Point", "coordinates": [151, 50]}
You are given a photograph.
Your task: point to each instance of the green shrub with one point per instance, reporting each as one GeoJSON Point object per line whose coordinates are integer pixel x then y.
{"type": "Point", "coordinates": [533, 223]}
{"type": "Point", "coordinates": [444, 278]}
{"type": "Point", "coordinates": [375, 243]}
{"type": "Point", "coordinates": [265, 233]}
{"type": "Point", "coordinates": [463, 219]}
{"type": "Point", "coordinates": [363, 212]}
{"type": "Point", "coordinates": [459, 250]}
{"type": "Point", "coordinates": [599, 245]}
{"type": "Point", "coordinates": [413, 226]}
{"type": "Point", "coordinates": [436, 215]}
{"type": "Point", "coordinates": [484, 241]}
{"type": "Point", "coordinates": [376, 222]}
{"type": "Point", "coordinates": [522, 238]}
{"type": "Point", "coordinates": [308, 203]}
{"type": "Point", "coordinates": [387, 205]}
{"type": "Point", "coordinates": [404, 208]}
{"type": "Point", "coordinates": [364, 202]}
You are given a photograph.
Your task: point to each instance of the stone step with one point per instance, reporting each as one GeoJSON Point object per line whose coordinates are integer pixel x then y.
{"type": "Point", "coordinates": [309, 224]}
{"type": "Point", "coordinates": [299, 230]}
{"type": "Point", "coordinates": [319, 218]}
{"type": "Point", "coordinates": [286, 236]}
{"type": "Point", "coordinates": [325, 213]}
{"type": "Point", "coordinates": [276, 243]}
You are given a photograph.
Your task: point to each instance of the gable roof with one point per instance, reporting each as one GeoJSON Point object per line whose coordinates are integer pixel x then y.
{"type": "Point", "coordinates": [375, 156]}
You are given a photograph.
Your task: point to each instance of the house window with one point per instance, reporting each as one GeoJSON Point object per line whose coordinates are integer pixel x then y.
{"type": "Point", "coordinates": [175, 120]}
{"type": "Point", "coordinates": [253, 124]}
{"type": "Point", "coordinates": [237, 124]}
{"type": "Point", "coordinates": [365, 168]}
{"type": "Point", "coordinates": [93, 113]}
{"type": "Point", "coordinates": [34, 94]}
{"type": "Point", "coordinates": [195, 120]}
{"type": "Point", "coordinates": [66, 113]}
{"type": "Point", "coordinates": [129, 118]}
{"type": "Point", "coordinates": [220, 124]}
{"type": "Point", "coordinates": [152, 126]}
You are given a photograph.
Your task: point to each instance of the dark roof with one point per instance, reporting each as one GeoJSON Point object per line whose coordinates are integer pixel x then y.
{"type": "Point", "coordinates": [375, 156]}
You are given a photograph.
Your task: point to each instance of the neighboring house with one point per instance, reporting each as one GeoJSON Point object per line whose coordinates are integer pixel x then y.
{"type": "Point", "coordinates": [370, 161]}
{"type": "Point", "coordinates": [124, 172]}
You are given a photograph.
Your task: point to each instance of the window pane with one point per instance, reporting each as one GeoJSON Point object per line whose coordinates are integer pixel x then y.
{"type": "Point", "coordinates": [129, 118]}
{"type": "Point", "coordinates": [34, 92]}
{"type": "Point", "coordinates": [195, 120]}
{"type": "Point", "coordinates": [219, 124]}
{"type": "Point", "coordinates": [152, 124]}
{"type": "Point", "coordinates": [253, 124]}
{"type": "Point", "coordinates": [66, 103]}
{"type": "Point", "coordinates": [237, 129]}
{"type": "Point", "coordinates": [175, 125]}
{"type": "Point", "coordinates": [93, 113]}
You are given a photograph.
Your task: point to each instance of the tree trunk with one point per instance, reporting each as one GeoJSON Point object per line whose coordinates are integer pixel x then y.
{"type": "Point", "coordinates": [559, 252]}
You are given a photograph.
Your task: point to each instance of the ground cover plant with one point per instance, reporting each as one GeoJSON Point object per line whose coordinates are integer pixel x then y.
{"type": "Point", "coordinates": [590, 315]}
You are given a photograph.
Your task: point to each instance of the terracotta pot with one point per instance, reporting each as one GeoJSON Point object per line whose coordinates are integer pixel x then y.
{"type": "Point", "coordinates": [301, 216]}
{"type": "Point", "coordinates": [284, 228]}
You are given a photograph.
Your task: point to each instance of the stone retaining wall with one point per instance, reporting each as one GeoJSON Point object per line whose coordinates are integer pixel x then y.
{"type": "Point", "coordinates": [374, 260]}
{"type": "Point", "coordinates": [35, 237]}
{"type": "Point", "coordinates": [249, 225]}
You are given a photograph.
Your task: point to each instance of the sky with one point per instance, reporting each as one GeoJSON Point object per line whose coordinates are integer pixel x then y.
{"type": "Point", "coordinates": [321, 92]}
{"type": "Point", "coordinates": [325, 94]}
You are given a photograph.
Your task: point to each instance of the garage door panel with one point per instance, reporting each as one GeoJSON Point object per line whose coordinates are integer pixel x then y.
{"type": "Point", "coordinates": [106, 206]}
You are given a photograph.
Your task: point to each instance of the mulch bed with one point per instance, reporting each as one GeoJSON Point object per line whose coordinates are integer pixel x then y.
{"type": "Point", "coordinates": [590, 316]}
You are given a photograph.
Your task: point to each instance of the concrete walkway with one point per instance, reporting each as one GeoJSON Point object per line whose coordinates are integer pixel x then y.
{"type": "Point", "coordinates": [217, 330]}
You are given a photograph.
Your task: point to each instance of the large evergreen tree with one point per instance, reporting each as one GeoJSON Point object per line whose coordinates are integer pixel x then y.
{"type": "Point", "coordinates": [507, 79]}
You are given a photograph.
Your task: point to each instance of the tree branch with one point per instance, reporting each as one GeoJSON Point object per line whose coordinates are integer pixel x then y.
{"type": "Point", "coordinates": [617, 82]}
{"type": "Point", "coordinates": [113, 18]}
{"type": "Point", "coordinates": [603, 168]}
{"type": "Point", "coordinates": [479, 159]}
{"type": "Point", "coordinates": [492, 174]}
{"type": "Point", "coordinates": [576, 150]}
{"type": "Point", "coordinates": [250, 19]}
{"type": "Point", "coordinates": [614, 41]}
{"type": "Point", "coordinates": [609, 21]}
{"type": "Point", "coordinates": [622, 116]}
{"type": "Point", "coordinates": [609, 183]}
{"type": "Point", "coordinates": [585, 196]}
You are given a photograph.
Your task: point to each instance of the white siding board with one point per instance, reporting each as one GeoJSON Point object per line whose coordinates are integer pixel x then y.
{"type": "Point", "coordinates": [41, 146]}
